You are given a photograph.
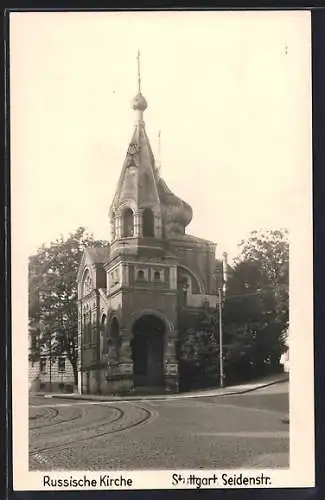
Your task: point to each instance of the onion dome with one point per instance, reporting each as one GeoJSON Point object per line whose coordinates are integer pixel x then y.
{"type": "Point", "coordinates": [139, 102]}
{"type": "Point", "coordinates": [177, 214]}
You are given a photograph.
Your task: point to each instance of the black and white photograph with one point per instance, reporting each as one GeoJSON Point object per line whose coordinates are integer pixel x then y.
{"type": "Point", "coordinates": [162, 325]}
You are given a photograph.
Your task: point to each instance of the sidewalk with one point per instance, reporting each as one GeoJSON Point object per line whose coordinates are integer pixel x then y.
{"type": "Point", "coordinates": [226, 391]}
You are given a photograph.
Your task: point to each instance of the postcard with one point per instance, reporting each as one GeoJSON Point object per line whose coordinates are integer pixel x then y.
{"type": "Point", "coordinates": [162, 273]}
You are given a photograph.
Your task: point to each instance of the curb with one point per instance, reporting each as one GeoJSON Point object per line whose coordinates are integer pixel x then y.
{"type": "Point", "coordinates": [187, 395]}
{"type": "Point", "coordinates": [274, 382]}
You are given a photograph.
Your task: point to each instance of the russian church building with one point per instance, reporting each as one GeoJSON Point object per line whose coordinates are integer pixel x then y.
{"type": "Point", "coordinates": [131, 293]}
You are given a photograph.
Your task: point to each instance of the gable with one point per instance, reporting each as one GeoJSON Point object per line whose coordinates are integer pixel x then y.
{"type": "Point", "coordinates": [91, 257]}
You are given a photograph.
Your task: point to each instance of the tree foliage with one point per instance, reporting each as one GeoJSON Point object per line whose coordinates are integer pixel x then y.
{"type": "Point", "coordinates": [255, 314]}
{"type": "Point", "coordinates": [269, 251]}
{"type": "Point", "coordinates": [198, 349]}
{"type": "Point", "coordinates": [256, 310]}
{"type": "Point", "coordinates": [53, 310]}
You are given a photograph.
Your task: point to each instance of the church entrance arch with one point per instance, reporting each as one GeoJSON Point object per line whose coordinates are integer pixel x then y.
{"type": "Point", "coordinates": [148, 351]}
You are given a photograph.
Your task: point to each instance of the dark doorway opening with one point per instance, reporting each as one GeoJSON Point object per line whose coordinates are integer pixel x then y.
{"type": "Point", "coordinates": [148, 351]}
{"type": "Point", "coordinates": [148, 223]}
{"type": "Point", "coordinates": [128, 223]}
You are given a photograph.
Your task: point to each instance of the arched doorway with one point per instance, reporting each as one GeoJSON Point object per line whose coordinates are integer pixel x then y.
{"type": "Point", "coordinates": [148, 351]}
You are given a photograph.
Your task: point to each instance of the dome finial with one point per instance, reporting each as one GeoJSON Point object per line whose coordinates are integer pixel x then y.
{"type": "Point", "coordinates": [139, 103]}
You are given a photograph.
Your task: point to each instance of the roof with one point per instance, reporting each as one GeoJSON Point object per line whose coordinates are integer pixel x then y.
{"type": "Point", "coordinates": [138, 178]}
{"type": "Point", "coordinates": [189, 238]}
{"type": "Point", "coordinates": [140, 185]}
{"type": "Point", "coordinates": [199, 240]}
{"type": "Point", "coordinates": [176, 206]}
{"type": "Point", "coordinates": [98, 255]}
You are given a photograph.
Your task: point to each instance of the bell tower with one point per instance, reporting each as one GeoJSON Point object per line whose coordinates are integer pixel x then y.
{"type": "Point", "coordinates": [141, 273]}
{"type": "Point", "coordinates": [136, 213]}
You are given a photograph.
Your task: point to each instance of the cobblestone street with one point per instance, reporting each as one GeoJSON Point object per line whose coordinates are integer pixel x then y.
{"type": "Point", "coordinates": [245, 430]}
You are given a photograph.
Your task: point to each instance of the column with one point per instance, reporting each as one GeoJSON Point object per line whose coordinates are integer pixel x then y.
{"type": "Point", "coordinates": [113, 230]}
{"type": "Point", "coordinates": [125, 349]}
{"type": "Point", "coordinates": [80, 348]}
{"type": "Point", "coordinates": [126, 362]}
{"type": "Point", "coordinates": [171, 365]}
{"type": "Point", "coordinates": [118, 227]}
{"type": "Point", "coordinates": [125, 274]}
{"type": "Point", "coordinates": [173, 278]}
{"type": "Point", "coordinates": [170, 361]}
{"type": "Point", "coordinates": [138, 224]}
{"type": "Point", "coordinates": [170, 351]}
{"type": "Point", "coordinates": [158, 227]}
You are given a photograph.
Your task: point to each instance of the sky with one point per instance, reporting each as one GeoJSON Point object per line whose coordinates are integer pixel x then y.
{"type": "Point", "coordinates": [230, 92]}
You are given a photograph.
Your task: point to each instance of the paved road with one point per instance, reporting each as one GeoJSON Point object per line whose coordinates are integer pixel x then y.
{"type": "Point", "coordinates": [244, 430]}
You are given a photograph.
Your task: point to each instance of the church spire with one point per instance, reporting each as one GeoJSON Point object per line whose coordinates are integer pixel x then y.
{"type": "Point", "coordinates": [143, 205]}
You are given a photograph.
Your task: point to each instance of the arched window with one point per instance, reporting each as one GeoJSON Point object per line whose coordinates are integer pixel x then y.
{"type": "Point", "coordinates": [140, 275]}
{"type": "Point", "coordinates": [86, 283]}
{"type": "Point", "coordinates": [156, 276]}
{"type": "Point", "coordinates": [148, 223]}
{"type": "Point", "coordinates": [128, 223]}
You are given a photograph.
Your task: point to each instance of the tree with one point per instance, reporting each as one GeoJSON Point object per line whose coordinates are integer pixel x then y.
{"type": "Point", "coordinates": [53, 310]}
{"type": "Point", "coordinates": [198, 349]}
{"type": "Point", "coordinates": [269, 250]}
{"type": "Point", "coordinates": [256, 311]}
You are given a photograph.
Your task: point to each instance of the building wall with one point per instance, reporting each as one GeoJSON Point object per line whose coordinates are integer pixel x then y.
{"type": "Point", "coordinates": [197, 300]}
{"type": "Point", "coordinates": [128, 297]}
{"type": "Point", "coordinates": [96, 377]}
{"type": "Point", "coordinates": [100, 277]}
{"type": "Point", "coordinates": [199, 258]}
{"type": "Point", "coordinates": [97, 381]}
{"type": "Point", "coordinates": [40, 376]}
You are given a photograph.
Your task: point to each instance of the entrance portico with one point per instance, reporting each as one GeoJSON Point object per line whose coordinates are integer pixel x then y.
{"type": "Point", "coordinates": [148, 347]}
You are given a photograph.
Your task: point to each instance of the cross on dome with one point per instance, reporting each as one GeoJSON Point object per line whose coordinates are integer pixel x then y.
{"type": "Point", "coordinates": [139, 103]}
{"type": "Point", "coordinates": [139, 73]}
